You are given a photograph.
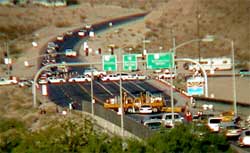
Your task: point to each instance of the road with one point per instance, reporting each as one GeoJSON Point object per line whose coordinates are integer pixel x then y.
{"type": "Point", "coordinates": [63, 94]}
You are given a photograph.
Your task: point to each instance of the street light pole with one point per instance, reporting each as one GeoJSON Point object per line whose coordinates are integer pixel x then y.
{"type": "Point", "coordinates": [205, 39]}
{"type": "Point", "coordinates": [171, 88]}
{"type": "Point", "coordinates": [234, 80]}
{"type": "Point", "coordinates": [92, 93]}
{"type": "Point", "coordinates": [211, 38]}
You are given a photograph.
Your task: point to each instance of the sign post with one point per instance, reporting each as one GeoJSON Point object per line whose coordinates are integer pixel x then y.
{"type": "Point", "coordinates": [129, 62]}
{"type": "Point", "coordinates": [109, 62]}
{"type": "Point", "coordinates": [160, 60]}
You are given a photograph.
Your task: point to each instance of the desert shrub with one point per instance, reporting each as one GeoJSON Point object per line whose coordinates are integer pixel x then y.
{"type": "Point", "coordinates": [8, 124]}
{"type": "Point", "coordinates": [63, 23]}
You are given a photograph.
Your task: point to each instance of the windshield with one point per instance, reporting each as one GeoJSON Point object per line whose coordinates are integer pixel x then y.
{"type": "Point", "coordinates": [215, 121]}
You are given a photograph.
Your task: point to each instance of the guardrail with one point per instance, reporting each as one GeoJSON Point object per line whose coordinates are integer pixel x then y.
{"type": "Point", "coordinates": [131, 126]}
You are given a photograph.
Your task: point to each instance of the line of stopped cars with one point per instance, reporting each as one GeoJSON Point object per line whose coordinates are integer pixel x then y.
{"type": "Point", "coordinates": [63, 75]}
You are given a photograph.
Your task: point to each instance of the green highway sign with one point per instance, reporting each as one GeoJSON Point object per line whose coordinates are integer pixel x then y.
{"type": "Point", "coordinates": [109, 63]}
{"type": "Point", "coordinates": [129, 62]}
{"type": "Point", "coordinates": [160, 60]}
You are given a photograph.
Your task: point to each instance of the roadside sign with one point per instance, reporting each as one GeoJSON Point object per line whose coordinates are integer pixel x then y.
{"type": "Point", "coordinates": [109, 63]}
{"type": "Point", "coordinates": [160, 60]}
{"type": "Point", "coordinates": [195, 86]}
{"type": "Point", "coordinates": [129, 62]}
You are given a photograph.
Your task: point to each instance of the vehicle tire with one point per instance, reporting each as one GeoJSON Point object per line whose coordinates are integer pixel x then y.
{"type": "Point", "coordinates": [155, 110]}
{"type": "Point", "coordinates": [130, 110]}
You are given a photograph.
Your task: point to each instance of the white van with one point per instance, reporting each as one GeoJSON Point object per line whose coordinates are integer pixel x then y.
{"type": "Point", "coordinates": [214, 123]}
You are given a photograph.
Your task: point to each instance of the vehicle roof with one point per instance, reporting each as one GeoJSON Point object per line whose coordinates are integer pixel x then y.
{"type": "Point", "coordinates": [153, 121]}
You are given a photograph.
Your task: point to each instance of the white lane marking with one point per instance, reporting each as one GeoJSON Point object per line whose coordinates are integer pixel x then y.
{"type": "Point", "coordinates": [118, 84]}
{"type": "Point", "coordinates": [104, 88]}
{"type": "Point", "coordinates": [138, 86]}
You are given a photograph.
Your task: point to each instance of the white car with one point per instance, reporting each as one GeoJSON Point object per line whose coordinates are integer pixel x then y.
{"type": "Point", "coordinates": [60, 38]}
{"type": "Point", "coordinates": [82, 33]}
{"type": "Point", "coordinates": [70, 53]}
{"type": "Point", "coordinates": [145, 109]}
{"type": "Point", "coordinates": [153, 124]}
{"type": "Point", "coordinates": [124, 76]}
{"type": "Point", "coordinates": [244, 139]}
{"type": "Point", "coordinates": [167, 119]}
{"type": "Point", "coordinates": [80, 78]}
{"type": "Point", "coordinates": [138, 77]}
{"type": "Point", "coordinates": [95, 72]}
{"type": "Point", "coordinates": [110, 77]}
{"type": "Point", "coordinates": [166, 76]}
{"type": "Point", "coordinates": [214, 123]}
{"type": "Point", "coordinates": [4, 81]}
{"type": "Point", "coordinates": [55, 80]}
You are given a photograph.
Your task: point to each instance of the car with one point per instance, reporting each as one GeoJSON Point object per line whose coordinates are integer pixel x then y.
{"type": "Point", "coordinates": [82, 32]}
{"type": "Point", "coordinates": [52, 45]}
{"type": "Point", "coordinates": [244, 139]}
{"type": "Point", "coordinates": [80, 78]}
{"type": "Point", "coordinates": [60, 38]}
{"type": "Point", "coordinates": [42, 80]}
{"type": "Point", "coordinates": [70, 53]}
{"type": "Point", "coordinates": [124, 76]}
{"type": "Point", "coordinates": [166, 76]}
{"type": "Point", "coordinates": [69, 33]}
{"type": "Point", "coordinates": [167, 119]}
{"type": "Point", "coordinates": [153, 124]}
{"type": "Point", "coordinates": [88, 27]}
{"type": "Point", "coordinates": [151, 117]}
{"type": "Point", "coordinates": [230, 129]}
{"type": "Point", "coordinates": [110, 77]}
{"type": "Point", "coordinates": [5, 81]}
{"type": "Point", "coordinates": [25, 83]}
{"type": "Point", "coordinates": [139, 77]}
{"type": "Point", "coordinates": [55, 80]}
{"type": "Point", "coordinates": [244, 72]}
{"type": "Point", "coordinates": [145, 109]}
{"type": "Point", "coordinates": [213, 123]}
{"type": "Point", "coordinates": [95, 72]}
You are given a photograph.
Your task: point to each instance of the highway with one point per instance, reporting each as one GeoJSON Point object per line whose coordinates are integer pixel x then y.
{"type": "Point", "coordinates": [76, 93]}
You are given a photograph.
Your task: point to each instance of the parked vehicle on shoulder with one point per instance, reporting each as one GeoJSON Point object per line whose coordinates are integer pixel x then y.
{"type": "Point", "coordinates": [70, 53]}
{"type": "Point", "coordinates": [80, 78]}
{"type": "Point", "coordinates": [55, 80]}
{"type": "Point", "coordinates": [244, 139]}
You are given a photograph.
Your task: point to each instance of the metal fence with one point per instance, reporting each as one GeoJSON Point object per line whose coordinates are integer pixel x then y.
{"type": "Point", "coordinates": [130, 125]}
